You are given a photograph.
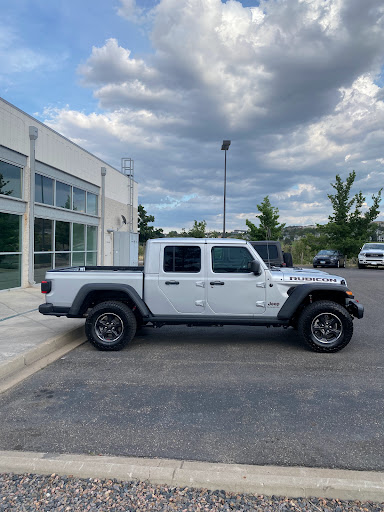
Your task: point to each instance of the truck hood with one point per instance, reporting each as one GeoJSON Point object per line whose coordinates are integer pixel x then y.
{"type": "Point", "coordinates": [305, 275]}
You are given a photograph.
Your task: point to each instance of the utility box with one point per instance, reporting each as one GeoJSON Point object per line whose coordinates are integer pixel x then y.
{"type": "Point", "coordinates": [125, 249]}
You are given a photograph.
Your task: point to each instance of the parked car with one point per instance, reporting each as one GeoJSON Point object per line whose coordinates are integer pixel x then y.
{"type": "Point", "coordinates": [371, 254]}
{"type": "Point", "coordinates": [202, 281]}
{"type": "Point", "coordinates": [329, 258]}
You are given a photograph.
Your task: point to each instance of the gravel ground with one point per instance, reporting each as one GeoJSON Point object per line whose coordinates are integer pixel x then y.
{"type": "Point", "coordinates": [54, 493]}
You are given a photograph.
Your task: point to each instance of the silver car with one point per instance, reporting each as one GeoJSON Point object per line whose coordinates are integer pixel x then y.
{"type": "Point", "coordinates": [371, 254]}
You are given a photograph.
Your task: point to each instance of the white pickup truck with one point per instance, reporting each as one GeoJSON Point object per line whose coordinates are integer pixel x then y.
{"type": "Point", "coordinates": [202, 282]}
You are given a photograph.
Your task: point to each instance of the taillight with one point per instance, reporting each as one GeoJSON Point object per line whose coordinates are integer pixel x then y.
{"type": "Point", "coordinates": [45, 286]}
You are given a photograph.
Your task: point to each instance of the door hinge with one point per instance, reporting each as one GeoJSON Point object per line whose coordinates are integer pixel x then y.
{"type": "Point", "coordinates": [260, 304]}
{"type": "Point", "coordinates": [200, 303]}
{"type": "Point", "coordinates": [260, 285]}
{"type": "Point", "coordinates": [201, 284]}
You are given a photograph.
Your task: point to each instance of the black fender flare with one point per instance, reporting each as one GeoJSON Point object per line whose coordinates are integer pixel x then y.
{"type": "Point", "coordinates": [301, 292]}
{"type": "Point", "coordinates": [126, 289]}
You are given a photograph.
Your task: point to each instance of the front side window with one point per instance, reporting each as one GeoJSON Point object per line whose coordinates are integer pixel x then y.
{"type": "Point", "coordinates": [182, 259]}
{"type": "Point", "coordinates": [10, 180]}
{"type": "Point", "coordinates": [43, 189]}
{"type": "Point", "coordinates": [231, 259]}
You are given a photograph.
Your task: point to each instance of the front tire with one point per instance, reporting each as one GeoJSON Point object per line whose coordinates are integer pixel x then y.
{"type": "Point", "coordinates": [360, 265]}
{"type": "Point", "coordinates": [325, 326]}
{"type": "Point", "coordinates": [110, 325]}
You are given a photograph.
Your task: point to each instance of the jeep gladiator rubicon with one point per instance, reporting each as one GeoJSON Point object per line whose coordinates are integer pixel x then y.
{"type": "Point", "coordinates": [202, 282]}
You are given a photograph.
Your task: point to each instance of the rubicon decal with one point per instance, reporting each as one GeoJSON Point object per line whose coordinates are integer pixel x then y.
{"type": "Point", "coordinates": [314, 279]}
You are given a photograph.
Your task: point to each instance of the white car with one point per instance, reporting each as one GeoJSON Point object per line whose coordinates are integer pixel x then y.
{"type": "Point", "coordinates": [371, 254]}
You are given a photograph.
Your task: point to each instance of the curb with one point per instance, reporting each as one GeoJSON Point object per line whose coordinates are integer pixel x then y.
{"type": "Point", "coordinates": [22, 366]}
{"type": "Point", "coordinates": [268, 480]}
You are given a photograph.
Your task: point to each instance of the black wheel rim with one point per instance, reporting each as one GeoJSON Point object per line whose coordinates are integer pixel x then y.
{"type": "Point", "coordinates": [326, 328]}
{"type": "Point", "coordinates": [109, 327]}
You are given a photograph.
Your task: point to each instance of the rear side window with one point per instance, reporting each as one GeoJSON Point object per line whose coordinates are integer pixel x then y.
{"type": "Point", "coordinates": [231, 259]}
{"type": "Point", "coordinates": [182, 259]}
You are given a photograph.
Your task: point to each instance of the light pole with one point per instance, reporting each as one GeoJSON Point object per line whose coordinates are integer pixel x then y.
{"type": "Point", "coordinates": [225, 147]}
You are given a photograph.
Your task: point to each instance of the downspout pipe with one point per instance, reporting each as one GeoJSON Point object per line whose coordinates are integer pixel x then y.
{"type": "Point", "coordinates": [33, 134]}
{"type": "Point", "coordinates": [103, 174]}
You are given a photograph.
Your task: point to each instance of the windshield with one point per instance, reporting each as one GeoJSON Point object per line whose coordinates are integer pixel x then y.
{"type": "Point", "coordinates": [373, 246]}
{"type": "Point", "coordinates": [325, 252]}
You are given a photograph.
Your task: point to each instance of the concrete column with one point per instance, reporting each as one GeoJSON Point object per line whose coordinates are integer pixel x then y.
{"type": "Point", "coordinates": [103, 173]}
{"type": "Point", "coordinates": [33, 134]}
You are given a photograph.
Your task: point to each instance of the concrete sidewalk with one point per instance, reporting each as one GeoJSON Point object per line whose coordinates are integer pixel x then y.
{"type": "Point", "coordinates": [29, 340]}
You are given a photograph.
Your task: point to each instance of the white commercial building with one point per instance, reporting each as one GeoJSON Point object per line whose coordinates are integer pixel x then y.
{"type": "Point", "coordinates": [60, 205]}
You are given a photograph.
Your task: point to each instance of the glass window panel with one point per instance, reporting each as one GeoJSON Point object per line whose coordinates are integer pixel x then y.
{"type": "Point", "coordinates": [10, 271]}
{"type": "Point", "coordinates": [91, 258]}
{"type": "Point", "coordinates": [62, 240]}
{"type": "Point", "coordinates": [43, 262]}
{"type": "Point", "coordinates": [91, 238]}
{"type": "Point", "coordinates": [10, 232]}
{"type": "Point", "coordinates": [91, 204]}
{"type": "Point", "coordinates": [43, 189]}
{"type": "Point", "coordinates": [62, 259]}
{"type": "Point", "coordinates": [78, 199]}
{"type": "Point", "coordinates": [230, 259]}
{"type": "Point", "coordinates": [182, 259]}
{"type": "Point", "coordinates": [10, 180]}
{"type": "Point", "coordinates": [43, 235]}
{"type": "Point", "coordinates": [78, 237]}
{"type": "Point", "coordinates": [78, 259]}
{"type": "Point", "coordinates": [63, 195]}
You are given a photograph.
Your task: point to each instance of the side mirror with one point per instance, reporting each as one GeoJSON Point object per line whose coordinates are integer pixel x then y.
{"type": "Point", "coordinates": [254, 266]}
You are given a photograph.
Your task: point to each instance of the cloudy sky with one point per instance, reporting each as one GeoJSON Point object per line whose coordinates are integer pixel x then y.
{"type": "Point", "coordinates": [296, 85]}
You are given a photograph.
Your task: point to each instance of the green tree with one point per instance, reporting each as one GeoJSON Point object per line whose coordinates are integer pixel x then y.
{"type": "Point", "coordinates": [269, 228]}
{"type": "Point", "coordinates": [146, 232]}
{"type": "Point", "coordinates": [348, 227]}
{"type": "Point", "coordinates": [198, 229]}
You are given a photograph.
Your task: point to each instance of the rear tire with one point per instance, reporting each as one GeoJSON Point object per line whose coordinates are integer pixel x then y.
{"type": "Point", "coordinates": [325, 326]}
{"type": "Point", "coordinates": [110, 325]}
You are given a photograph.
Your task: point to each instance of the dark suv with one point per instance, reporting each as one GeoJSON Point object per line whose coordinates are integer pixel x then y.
{"type": "Point", "coordinates": [272, 253]}
{"type": "Point", "coordinates": [329, 258]}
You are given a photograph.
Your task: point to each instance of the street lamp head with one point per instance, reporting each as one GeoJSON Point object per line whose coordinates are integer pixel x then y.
{"type": "Point", "coordinates": [226, 144]}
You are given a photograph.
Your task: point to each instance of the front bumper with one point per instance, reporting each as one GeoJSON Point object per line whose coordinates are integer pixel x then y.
{"type": "Point", "coordinates": [355, 308]}
{"type": "Point", "coordinates": [376, 263]}
{"type": "Point", "coordinates": [325, 263]}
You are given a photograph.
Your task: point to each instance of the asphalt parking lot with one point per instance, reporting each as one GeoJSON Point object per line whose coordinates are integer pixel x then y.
{"type": "Point", "coordinates": [232, 394]}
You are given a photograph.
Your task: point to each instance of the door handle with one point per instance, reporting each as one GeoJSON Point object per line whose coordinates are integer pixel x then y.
{"type": "Point", "coordinates": [172, 282]}
{"type": "Point", "coordinates": [218, 283]}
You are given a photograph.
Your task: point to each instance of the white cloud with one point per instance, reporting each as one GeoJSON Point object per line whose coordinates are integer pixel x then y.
{"type": "Point", "coordinates": [291, 83]}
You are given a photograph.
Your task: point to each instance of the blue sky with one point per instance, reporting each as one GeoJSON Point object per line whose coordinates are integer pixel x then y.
{"type": "Point", "coordinates": [295, 84]}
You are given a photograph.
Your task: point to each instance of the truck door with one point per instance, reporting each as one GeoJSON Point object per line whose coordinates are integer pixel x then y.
{"type": "Point", "coordinates": [181, 280]}
{"type": "Point", "coordinates": [231, 288]}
